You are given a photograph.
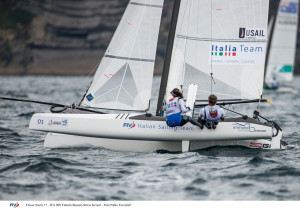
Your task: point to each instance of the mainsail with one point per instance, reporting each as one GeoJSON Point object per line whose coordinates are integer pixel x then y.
{"type": "Point", "coordinates": [280, 63]}
{"type": "Point", "coordinates": [123, 79]}
{"type": "Point", "coordinates": [220, 45]}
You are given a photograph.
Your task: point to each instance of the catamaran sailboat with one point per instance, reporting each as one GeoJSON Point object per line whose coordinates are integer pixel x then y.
{"type": "Point", "coordinates": [282, 48]}
{"type": "Point", "coordinates": [214, 46]}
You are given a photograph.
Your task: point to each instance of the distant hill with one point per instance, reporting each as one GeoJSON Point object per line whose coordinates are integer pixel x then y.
{"type": "Point", "coordinates": [66, 37]}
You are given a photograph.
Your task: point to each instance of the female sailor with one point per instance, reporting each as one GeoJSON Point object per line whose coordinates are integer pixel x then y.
{"type": "Point", "coordinates": [175, 107]}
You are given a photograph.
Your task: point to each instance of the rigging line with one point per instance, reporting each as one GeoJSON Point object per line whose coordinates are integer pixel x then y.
{"type": "Point", "coordinates": [140, 63]}
{"type": "Point", "coordinates": [234, 111]}
{"type": "Point", "coordinates": [185, 43]}
{"type": "Point", "coordinates": [150, 80]}
{"type": "Point", "coordinates": [198, 11]}
{"type": "Point", "coordinates": [228, 108]}
{"type": "Point", "coordinates": [211, 32]}
{"type": "Point", "coordinates": [177, 40]}
{"type": "Point", "coordinates": [95, 67]}
{"type": "Point", "coordinates": [32, 101]}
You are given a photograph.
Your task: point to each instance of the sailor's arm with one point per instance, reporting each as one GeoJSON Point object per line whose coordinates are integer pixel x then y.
{"type": "Point", "coordinates": [182, 106]}
{"type": "Point", "coordinates": [222, 114]}
{"type": "Point", "coordinates": [201, 113]}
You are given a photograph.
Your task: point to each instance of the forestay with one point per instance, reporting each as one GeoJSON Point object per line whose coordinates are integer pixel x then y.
{"type": "Point", "coordinates": [124, 77]}
{"type": "Point", "coordinates": [283, 44]}
{"type": "Point", "coordinates": [220, 45]}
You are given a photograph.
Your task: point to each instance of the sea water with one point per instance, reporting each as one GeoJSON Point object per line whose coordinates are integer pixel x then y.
{"type": "Point", "coordinates": [28, 171]}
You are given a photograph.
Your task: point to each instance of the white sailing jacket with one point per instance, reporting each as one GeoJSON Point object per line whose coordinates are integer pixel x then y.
{"type": "Point", "coordinates": [212, 113]}
{"type": "Point", "coordinates": [175, 105]}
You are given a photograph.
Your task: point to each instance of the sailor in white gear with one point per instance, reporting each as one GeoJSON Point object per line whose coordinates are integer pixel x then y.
{"type": "Point", "coordinates": [210, 114]}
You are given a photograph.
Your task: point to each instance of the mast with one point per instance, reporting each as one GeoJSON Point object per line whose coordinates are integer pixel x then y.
{"type": "Point", "coordinates": [168, 56]}
{"type": "Point", "coordinates": [270, 37]}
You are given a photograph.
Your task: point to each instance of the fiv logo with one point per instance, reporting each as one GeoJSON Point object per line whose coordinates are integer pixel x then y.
{"type": "Point", "coordinates": [129, 125]}
{"type": "Point", "coordinates": [14, 205]}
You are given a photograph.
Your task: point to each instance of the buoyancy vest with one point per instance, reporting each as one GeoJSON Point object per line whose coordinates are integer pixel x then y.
{"type": "Point", "coordinates": [173, 106]}
{"type": "Point", "coordinates": [213, 113]}
{"type": "Point", "coordinates": [173, 111]}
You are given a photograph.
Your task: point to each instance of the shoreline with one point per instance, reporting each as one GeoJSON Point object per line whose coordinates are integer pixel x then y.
{"type": "Point", "coordinates": [60, 68]}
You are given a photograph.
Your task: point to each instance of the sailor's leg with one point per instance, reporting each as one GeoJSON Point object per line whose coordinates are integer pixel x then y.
{"type": "Point", "coordinates": [202, 121]}
{"type": "Point", "coordinates": [214, 124]}
{"type": "Point", "coordinates": [208, 124]}
{"type": "Point", "coordinates": [192, 121]}
{"type": "Point", "coordinates": [185, 119]}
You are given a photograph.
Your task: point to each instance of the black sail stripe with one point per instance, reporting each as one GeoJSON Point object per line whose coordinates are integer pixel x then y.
{"type": "Point", "coordinates": [146, 5]}
{"type": "Point", "coordinates": [129, 58]}
{"type": "Point", "coordinates": [219, 40]}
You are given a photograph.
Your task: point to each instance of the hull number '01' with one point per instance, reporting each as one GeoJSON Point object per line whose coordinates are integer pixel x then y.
{"type": "Point", "coordinates": [40, 121]}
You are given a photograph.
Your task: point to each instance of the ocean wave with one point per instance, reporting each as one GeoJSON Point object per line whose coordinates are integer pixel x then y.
{"type": "Point", "coordinates": [42, 167]}
{"type": "Point", "coordinates": [14, 167]}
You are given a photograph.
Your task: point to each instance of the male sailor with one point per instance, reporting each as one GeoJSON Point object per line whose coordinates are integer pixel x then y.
{"type": "Point", "coordinates": [210, 114]}
{"type": "Point", "coordinates": [174, 107]}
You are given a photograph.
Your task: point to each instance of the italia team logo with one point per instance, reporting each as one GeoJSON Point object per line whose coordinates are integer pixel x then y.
{"type": "Point", "coordinates": [237, 53]}
{"type": "Point", "coordinates": [223, 50]}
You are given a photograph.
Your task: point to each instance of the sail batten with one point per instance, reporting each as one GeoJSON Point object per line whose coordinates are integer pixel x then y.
{"type": "Point", "coordinates": [147, 5]}
{"type": "Point", "coordinates": [210, 39]}
{"type": "Point", "coordinates": [130, 58]}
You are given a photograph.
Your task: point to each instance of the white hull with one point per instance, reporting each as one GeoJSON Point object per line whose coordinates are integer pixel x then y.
{"type": "Point", "coordinates": [54, 140]}
{"type": "Point", "coordinates": [139, 127]}
{"type": "Point", "coordinates": [133, 132]}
